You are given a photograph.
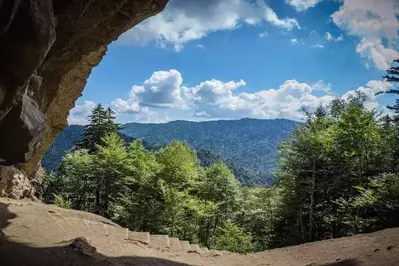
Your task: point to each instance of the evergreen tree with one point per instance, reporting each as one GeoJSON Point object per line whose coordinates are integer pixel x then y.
{"type": "Point", "coordinates": [112, 167]}
{"type": "Point", "coordinates": [393, 76]}
{"type": "Point", "coordinates": [101, 124]}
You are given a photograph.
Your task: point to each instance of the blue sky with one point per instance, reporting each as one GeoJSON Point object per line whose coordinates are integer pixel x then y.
{"type": "Point", "coordinates": [230, 59]}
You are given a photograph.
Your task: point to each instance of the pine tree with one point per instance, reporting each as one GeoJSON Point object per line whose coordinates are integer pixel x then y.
{"type": "Point", "coordinates": [393, 77]}
{"type": "Point", "coordinates": [393, 73]}
{"type": "Point", "coordinates": [101, 124]}
{"type": "Point", "coordinates": [113, 165]}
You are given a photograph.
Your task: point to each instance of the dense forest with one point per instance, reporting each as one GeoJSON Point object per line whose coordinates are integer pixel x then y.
{"type": "Point", "coordinates": [248, 146]}
{"type": "Point", "coordinates": [337, 176]}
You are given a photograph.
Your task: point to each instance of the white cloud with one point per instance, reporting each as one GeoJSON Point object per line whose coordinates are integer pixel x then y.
{"type": "Point", "coordinates": [373, 21]}
{"type": "Point", "coordinates": [368, 17]}
{"type": "Point", "coordinates": [215, 99]}
{"type": "Point", "coordinates": [317, 45]}
{"type": "Point", "coordinates": [263, 34]}
{"type": "Point", "coordinates": [321, 86]}
{"type": "Point", "coordinates": [162, 89]}
{"type": "Point", "coordinates": [202, 114]}
{"type": "Point", "coordinates": [123, 106]}
{"type": "Point", "coordinates": [200, 46]}
{"type": "Point", "coordinates": [329, 37]}
{"type": "Point", "coordinates": [294, 41]}
{"type": "Point", "coordinates": [148, 116]}
{"type": "Point", "coordinates": [183, 21]}
{"type": "Point", "coordinates": [79, 115]}
{"type": "Point", "coordinates": [373, 87]}
{"type": "Point", "coordinates": [372, 50]}
{"type": "Point", "coordinates": [302, 5]}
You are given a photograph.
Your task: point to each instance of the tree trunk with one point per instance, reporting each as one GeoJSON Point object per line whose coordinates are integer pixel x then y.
{"type": "Point", "coordinates": [313, 184]}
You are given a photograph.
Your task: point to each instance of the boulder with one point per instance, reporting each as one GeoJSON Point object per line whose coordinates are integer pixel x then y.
{"type": "Point", "coordinates": [14, 183]}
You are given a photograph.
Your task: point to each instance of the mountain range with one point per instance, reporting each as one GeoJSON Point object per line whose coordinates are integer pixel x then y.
{"type": "Point", "coordinates": [248, 146]}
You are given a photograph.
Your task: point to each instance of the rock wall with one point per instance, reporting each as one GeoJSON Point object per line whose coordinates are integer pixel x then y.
{"type": "Point", "coordinates": [47, 51]}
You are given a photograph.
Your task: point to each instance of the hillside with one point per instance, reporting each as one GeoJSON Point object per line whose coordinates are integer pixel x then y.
{"type": "Point", "coordinates": [248, 146]}
{"type": "Point", "coordinates": [62, 144]}
{"type": "Point", "coordinates": [249, 143]}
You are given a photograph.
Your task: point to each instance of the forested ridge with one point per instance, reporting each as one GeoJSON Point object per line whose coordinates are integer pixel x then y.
{"type": "Point", "coordinates": [337, 176]}
{"type": "Point", "coordinates": [248, 146]}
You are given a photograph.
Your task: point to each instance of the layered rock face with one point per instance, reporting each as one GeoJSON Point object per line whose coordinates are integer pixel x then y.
{"type": "Point", "coordinates": [47, 51]}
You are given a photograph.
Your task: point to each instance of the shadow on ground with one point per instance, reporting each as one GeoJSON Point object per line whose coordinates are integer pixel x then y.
{"type": "Point", "coordinates": [13, 253]}
{"type": "Point", "coordinates": [350, 262]}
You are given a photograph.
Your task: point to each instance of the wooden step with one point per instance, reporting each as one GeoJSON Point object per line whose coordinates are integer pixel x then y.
{"type": "Point", "coordinates": [116, 232]}
{"type": "Point", "coordinates": [98, 229]}
{"type": "Point", "coordinates": [195, 248]}
{"type": "Point", "coordinates": [174, 243]}
{"type": "Point", "coordinates": [81, 227]}
{"type": "Point", "coordinates": [142, 237]}
{"type": "Point", "coordinates": [66, 229]}
{"type": "Point", "coordinates": [205, 250]}
{"type": "Point", "coordinates": [159, 241]}
{"type": "Point", "coordinates": [185, 246]}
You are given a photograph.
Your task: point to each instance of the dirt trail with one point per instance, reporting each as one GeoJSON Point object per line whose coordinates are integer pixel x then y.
{"type": "Point", "coordinates": [38, 234]}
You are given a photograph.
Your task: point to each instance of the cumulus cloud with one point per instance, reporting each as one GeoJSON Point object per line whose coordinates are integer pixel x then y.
{"type": "Point", "coordinates": [79, 115]}
{"type": "Point", "coordinates": [368, 17]}
{"type": "Point", "coordinates": [183, 21]}
{"type": "Point", "coordinates": [129, 106]}
{"type": "Point", "coordinates": [373, 87]}
{"type": "Point", "coordinates": [373, 21]}
{"type": "Point", "coordinates": [202, 114]}
{"type": "Point", "coordinates": [285, 102]}
{"type": "Point", "coordinates": [329, 37]}
{"type": "Point", "coordinates": [294, 41]}
{"type": "Point", "coordinates": [162, 89]}
{"type": "Point", "coordinates": [147, 116]}
{"type": "Point", "coordinates": [302, 5]}
{"type": "Point", "coordinates": [372, 50]}
{"type": "Point", "coordinates": [215, 99]}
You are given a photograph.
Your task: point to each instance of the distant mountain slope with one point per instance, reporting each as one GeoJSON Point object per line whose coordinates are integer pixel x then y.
{"type": "Point", "coordinates": [248, 146]}
{"type": "Point", "coordinates": [62, 144]}
{"type": "Point", "coordinates": [248, 143]}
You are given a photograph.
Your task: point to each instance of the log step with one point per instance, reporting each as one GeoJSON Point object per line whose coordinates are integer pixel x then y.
{"type": "Point", "coordinates": [159, 241]}
{"type": "Point", "coordinates": [142, 237]}
{"type": "Point", "coordinates": [195, 248]}
{"type": "Point", "coordinates": [185, 246]}
{"type": "Point", "coordinates": [174, 243]}
{"type": "Point", "coordinates": [205, 250]}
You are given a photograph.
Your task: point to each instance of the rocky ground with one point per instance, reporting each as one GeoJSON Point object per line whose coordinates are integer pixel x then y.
{"type": "Point", "coordinates": [38, 234]}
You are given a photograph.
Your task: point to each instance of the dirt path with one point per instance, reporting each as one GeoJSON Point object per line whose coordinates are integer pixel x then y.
{"type": "Point", "coordinates": [38, 234]}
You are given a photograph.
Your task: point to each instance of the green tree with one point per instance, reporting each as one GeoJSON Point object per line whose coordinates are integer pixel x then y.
{"type": "Point", "coordinates": [101, 124]}
{"type": "Point", "coordinates": [76, 178]}
{"type": "Point", "coordinates": [112, 167]}
{"type": "Point", "coordinates": [321, 163]}
{"type": "Point", "coordinates": [141, 206]}
{"type": "Point", "coordinates": [180, 165]}
{"type": "Point", "coordinates": [234, 239]}
{"type": "Point", "coordinates": [221, 187]}
{"type": "Point", "coordinates": [258, 214]}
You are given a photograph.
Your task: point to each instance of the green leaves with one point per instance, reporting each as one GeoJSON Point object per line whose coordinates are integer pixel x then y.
{"type": "Point", "coordinates": [234, 239]}
{"type": "Point", "coordinates": [325, 170]}
{"type": "Point", "coordinates": [101, 124]}
{"type": "Point", "coordinates": [337, 177]}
